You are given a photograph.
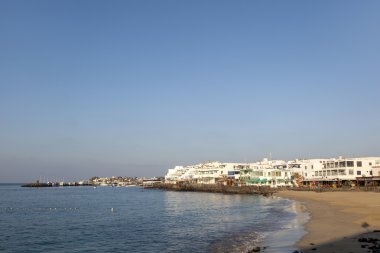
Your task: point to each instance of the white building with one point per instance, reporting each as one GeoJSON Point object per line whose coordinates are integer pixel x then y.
{"type": "Point", "coordinates": [180, 173]}
{"type": "Point", "coordinates": [277, 173]}
{"type": "Point", "coordinates": [266, 172]}
{"type": "Point", "coordinates": [342, 169]}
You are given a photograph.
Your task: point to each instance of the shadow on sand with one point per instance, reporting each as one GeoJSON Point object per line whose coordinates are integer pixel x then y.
{"type": "Point", "coordinates": [365, 242]}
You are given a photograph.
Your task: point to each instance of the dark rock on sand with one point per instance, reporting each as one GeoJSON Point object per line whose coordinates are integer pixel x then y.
{"type": "Point", "coordinates": [255, 249]}
{"type": "Point", "coordinates": [368, 240]}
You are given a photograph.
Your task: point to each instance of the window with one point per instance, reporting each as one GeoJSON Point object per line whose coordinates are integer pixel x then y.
{"type": "Point", "coordinates": [342, 164]}
{"type": "Point", "coordinates": [328, 172]}
{"type": "Point", "coordinates": [359, 163]}
{"type": "Point", "coordinates": [370, 164]}
{"type": "Point", "coordinates": [351, 172]}
{"type": "Point", "coordinates": [312, 166]}
{"type": "Point", "coordinates": [370, 172]}
{"type": "Point", "coordinates": [359, 172]}
{"type": "Point", "coordinates": [350, 163]}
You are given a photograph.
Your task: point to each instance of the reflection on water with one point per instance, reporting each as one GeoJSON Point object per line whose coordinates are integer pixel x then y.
{"type": "Point", "coordinates": [136, 220]}
{"type": "Point", "coordinates": [241, 221]}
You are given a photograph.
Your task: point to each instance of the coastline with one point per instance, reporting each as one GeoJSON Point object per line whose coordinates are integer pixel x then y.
{"type": "Point", "coordinates": [283, 240]}
{"type": "Point", "coordinates": [338, 220]}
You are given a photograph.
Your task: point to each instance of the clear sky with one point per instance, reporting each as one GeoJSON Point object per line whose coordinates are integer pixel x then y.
{"type": "Point", "coordinates": [132, 88]}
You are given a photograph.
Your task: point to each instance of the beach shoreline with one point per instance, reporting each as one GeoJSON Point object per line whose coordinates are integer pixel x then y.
{"type": "Point", "coordinates": [283, 240]}
{"type": "Point", "coordinates": [338, 220]}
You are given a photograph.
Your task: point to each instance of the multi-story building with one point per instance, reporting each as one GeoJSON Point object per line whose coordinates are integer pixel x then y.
{"type": "Point", "coordinates": [276, 173]}
{"type": "Point", "coordinates": [266, 172]}
{"type": "Point", "coordinates": [343, 170]}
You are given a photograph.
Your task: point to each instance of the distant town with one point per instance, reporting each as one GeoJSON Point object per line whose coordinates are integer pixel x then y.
{"type": "Point", "coordinates": [102, 181]}
{"type": "Point", "coordinates": [327, 172]}
{"type": "Point", "coordinates": [331, 172]}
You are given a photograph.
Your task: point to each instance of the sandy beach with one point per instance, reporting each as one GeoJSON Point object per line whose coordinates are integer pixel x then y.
{"type": "Point", "coordinates": [339, 221]}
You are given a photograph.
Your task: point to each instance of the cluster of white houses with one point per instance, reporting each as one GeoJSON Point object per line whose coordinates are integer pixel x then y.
{"type": "Point", "coordinates": [274, 173]}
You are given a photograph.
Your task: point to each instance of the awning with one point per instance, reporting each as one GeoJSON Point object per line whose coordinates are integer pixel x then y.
{"type": "Point", "coordinates": [375, 178]}
{"type": "Point", "coordinates": [253, 180]}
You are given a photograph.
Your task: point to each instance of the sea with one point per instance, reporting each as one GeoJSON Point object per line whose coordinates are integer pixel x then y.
{"type": "Point", "coordinates": [134, 219]}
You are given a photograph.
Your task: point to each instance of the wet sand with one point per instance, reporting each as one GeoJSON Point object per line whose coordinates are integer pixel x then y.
{"type": "Point", "coordinates": [338, 220]}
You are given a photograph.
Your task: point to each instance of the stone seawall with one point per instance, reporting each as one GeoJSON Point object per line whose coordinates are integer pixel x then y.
{"type": "Point", "coordinates": [261, 190]}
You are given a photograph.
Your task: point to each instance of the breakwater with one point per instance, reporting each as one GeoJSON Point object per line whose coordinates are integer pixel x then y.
{"type": "Point", "coordinates": [37, 185]}
{"type": "Point", "coordinates": [216, 188]}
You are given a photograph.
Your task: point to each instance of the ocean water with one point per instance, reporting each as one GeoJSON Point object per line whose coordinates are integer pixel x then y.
{"type": "Point", "coordinates": [132, 219]}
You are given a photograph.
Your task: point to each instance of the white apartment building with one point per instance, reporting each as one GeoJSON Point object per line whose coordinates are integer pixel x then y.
{"type": "Point", "coordinates": [277, 173]}
{"type": "Point", "coordinates": [179, 173]}
{"type": "Point", "coordinates": [266, 172]}
{"type": "Point", "coordinates": [344, 169]}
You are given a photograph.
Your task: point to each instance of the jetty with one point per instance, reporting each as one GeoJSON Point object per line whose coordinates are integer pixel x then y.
{"type": "Point", "coordinates": [216, 188]}
{"type": "Point", "coordinates": [56, 184]}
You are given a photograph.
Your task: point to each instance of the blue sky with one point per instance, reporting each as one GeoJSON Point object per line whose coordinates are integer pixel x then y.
{"type": "Point", "coordinates": [132, 88]}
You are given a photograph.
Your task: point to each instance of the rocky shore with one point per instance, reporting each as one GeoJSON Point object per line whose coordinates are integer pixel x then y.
{"type": "Point", "coordinates": [216, 188]}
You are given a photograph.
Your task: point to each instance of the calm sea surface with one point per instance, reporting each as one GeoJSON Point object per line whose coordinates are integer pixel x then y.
{"type": "Point", "coordinates": [113, 219]}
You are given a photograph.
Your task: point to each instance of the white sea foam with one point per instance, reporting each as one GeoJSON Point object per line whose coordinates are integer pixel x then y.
{"type": "Point", "coordinates": [283, 240]}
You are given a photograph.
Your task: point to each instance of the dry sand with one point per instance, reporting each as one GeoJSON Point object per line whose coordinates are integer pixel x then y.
{"type": "Point", "coordinates": [338, 220]}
